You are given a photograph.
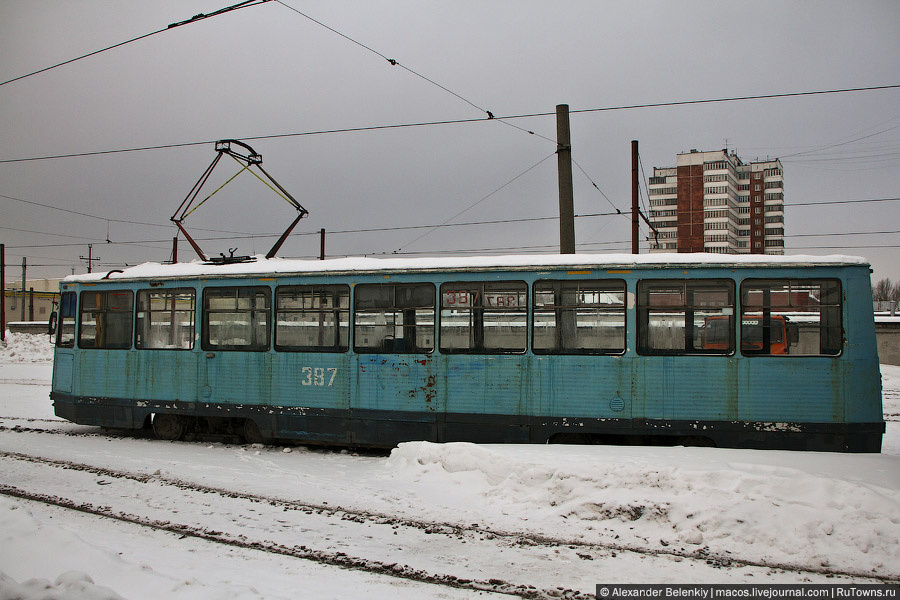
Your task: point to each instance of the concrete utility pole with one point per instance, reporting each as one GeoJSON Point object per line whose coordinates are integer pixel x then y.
{"type": "Point", "coordinates": [90, 257]}
{"type": "Point", "coordinates": [635, 211]}
{"type": "Point", "coordinates": [566, 195]}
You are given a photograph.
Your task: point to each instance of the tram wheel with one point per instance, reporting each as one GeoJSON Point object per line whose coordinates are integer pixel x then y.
{"type": "Point", "coordinates": [252, 433]}
{"type": "Point", "coordinates": [168, 427]}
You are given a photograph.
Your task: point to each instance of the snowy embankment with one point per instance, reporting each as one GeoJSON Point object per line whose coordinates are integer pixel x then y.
{"type": "Point", "coordinates": [26, 348]}
{"type": "Point", "coordinates": [815, 511]}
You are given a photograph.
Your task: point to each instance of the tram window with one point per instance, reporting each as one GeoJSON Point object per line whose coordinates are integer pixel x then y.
{"type": "Point", "coordinates": [394, 318]}
{"type": "Point", "coordinates": [484, 317]}
{"type": "Point", "coordinates": [165, 319]}
{"type": "Point", "coordinates": [579, 317]}
{"type": "Point", "coordinates": [106, 319]}
{"type": "Point", "coordinates": [694, 316]}
{"type": "Point", "coordinates": [65, 332]}
{"type": "Point", "coordinates": [782, 317]}
{"type": "Point", "coordinates": [312, 318]}
{"type": "Point", "coordinates": [236, 318]}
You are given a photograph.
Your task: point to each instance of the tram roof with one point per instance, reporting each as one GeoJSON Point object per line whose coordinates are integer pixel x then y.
{"type": "Point", "coordinates": [280, 266]}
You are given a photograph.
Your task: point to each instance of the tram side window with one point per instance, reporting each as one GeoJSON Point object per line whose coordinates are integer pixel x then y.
{"type": "Point", "coordinates": [65, 332]}
{"type": "Point", "coordinates": [579, 317]}
{"type": "Point", "coordinates": [694, 316]}
{"type": "Point", "coordinates": [312, 318]}
{"type": "Point", "coordinates": [165, 319]}
{"type": "Point", "coordinates": [394, 318]}
{"type": "Point", "coordinates": [791, 317]}
{"type": "Point", "coordinates": [484, 317]}
{"type": "Point", "coordinates": [106, 319]}
{"type": "Point", "coordinates": [236, 318]}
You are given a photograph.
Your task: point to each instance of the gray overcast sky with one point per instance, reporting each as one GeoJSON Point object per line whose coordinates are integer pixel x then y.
{"type": "Point", "coordinates": [267, 70]}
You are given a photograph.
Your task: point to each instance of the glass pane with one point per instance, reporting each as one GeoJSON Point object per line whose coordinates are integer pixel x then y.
{"type": "Point", "coordinates": [394, 318]}
{"type": "Point", "coordinates": [312, 318]}
{"type": "Point", "coordinates": [165, 319]}
{"type": "Point", "coordinates": [577, 317]}
{"type": "Point", "coordinates": [237, 318]}
{"type": "Point", "coordinates": [106, 320]}
{"type": "Point", "coordinates": [791, 317]}
{"type": "Point", "coordinates": [484, 317]}
{"type": "Point", "coordinates": [694, 316]}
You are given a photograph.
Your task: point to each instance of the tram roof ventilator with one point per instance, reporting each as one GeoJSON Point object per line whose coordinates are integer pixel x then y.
{"type": "Point", "coordinates": [248, 161]}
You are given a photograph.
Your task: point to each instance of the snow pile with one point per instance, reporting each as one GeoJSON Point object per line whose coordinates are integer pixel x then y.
{"type": "Point", "coordinates": [26, 347]}
{"type": "Point", "coordinates": [746, 504]}
{"type": "Point", "coordinates": [72, 585]}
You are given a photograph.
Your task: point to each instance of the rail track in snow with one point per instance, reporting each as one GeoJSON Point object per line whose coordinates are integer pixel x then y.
{"type": "Point", "coordinates": [453, 534]}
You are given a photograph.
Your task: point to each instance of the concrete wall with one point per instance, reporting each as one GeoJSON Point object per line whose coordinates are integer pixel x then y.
{"type": "Point", "coordinates": [887, 332]}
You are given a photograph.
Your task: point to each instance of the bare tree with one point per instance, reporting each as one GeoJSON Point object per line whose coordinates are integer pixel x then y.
{"type": "Point", "coordinates": [882, 290]}
{"type": "Point", "coordinates": [895, 292]}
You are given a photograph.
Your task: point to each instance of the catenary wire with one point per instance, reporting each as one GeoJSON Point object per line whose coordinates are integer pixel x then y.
{"type": "Point", "coordinates": [451, 122]}
{"type": "Point", "coordinates": [193, 19]}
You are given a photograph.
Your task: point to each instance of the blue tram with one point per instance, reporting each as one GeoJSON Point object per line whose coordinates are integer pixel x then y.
{"type": "Point", "coordinates": [730, 351]}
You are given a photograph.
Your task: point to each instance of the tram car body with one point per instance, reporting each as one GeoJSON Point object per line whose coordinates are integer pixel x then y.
{"type": "Point", "coordinates": [730, 351]}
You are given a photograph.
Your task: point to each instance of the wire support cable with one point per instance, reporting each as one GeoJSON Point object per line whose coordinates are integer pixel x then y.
{"type": "Point", "coordinates": [394, 62]}
{"type": "Point", "coordinates": [477, 202]}
{"type": "Point", "coordinates": [193, 19]}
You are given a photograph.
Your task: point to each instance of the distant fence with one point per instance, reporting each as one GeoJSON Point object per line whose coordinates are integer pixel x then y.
{"type": "Point", "coordinates": [27, 327]}
{"type": "Point", "coordinates": [888, 306]}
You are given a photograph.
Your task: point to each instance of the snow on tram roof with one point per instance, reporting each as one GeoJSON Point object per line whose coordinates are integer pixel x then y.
{"type": "Point", "coordinates": [262, 265]}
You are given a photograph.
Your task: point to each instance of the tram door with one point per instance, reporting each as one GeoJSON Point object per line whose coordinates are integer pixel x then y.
{"type": "Point", "coordinates": [235, 365]}
{"type": "Point", "coordinates": [396, 397]}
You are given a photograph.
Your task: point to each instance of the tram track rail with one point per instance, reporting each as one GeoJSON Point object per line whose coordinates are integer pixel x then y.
{"type": "Point", "coordinates": [440, 528]}
{"type": "Point", "coordinates": [336, 559]}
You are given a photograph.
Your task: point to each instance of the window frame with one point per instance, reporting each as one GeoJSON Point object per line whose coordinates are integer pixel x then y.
{"type": "Point", "coordinates": [477, 323]}
{"type": "Point", "coordinates": [171, 293]}
{"type": "Point", "coordinates": [394, 307]}
{"type": "Point", "coordinates": [267, 310]}
{"type": "Point", "coordinates": [68, 309]}
{"type": "Point", "coordinates": [104, 310]}
{"type": "Point", "coordinates": [687, 309]}
{"type": "Point", "coordinates": [600, 286]}
{"type": "Point", "coordinates": [836, 311]}
{"type": "Point", "coordinates": [342, 317]}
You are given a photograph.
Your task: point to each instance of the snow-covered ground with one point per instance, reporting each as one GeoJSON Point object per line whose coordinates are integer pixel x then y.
{"type": "Point", "coordinates": [548, 516]}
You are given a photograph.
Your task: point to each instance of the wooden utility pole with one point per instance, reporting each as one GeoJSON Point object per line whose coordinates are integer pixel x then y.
{"type": "Point", "coordinates": [2, 292]}
{"type": "Point", "coordinates": [322, 244]}
{"type": "Point", "coordinates": [635, 211]}
{"type": "Point", "coordinates": [566, 195]}
{"type": "Point", "coordinates": [23, 289]}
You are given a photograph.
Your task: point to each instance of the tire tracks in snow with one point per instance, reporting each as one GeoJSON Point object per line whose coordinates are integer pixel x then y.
{"type": "Point", "coordinates": [447, 530]}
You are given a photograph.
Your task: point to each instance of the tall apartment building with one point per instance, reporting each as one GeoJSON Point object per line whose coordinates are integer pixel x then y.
{"type": "Point", "coordinates": [714, 202]}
